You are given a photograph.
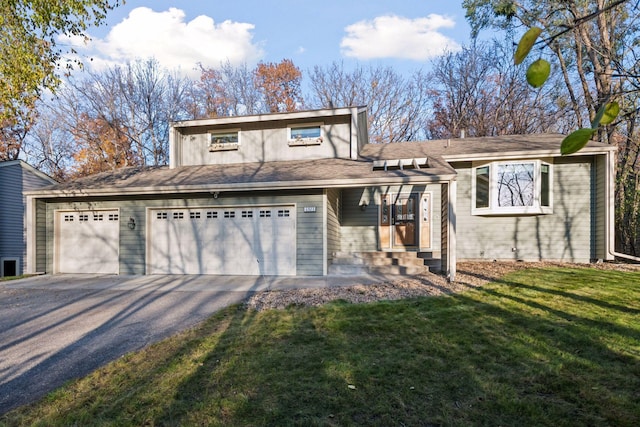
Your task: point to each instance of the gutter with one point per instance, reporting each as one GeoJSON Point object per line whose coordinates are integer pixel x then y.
{"type": "Point", "coordinates": [245, 186]}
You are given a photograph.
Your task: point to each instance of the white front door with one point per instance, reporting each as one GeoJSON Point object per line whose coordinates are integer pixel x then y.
{"type": "Point", "coordinates": [245, 240]}
{"type": "Point", "coordinates": [87, 242]}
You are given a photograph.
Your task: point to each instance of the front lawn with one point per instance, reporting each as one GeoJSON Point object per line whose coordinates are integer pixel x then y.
{"type": "Point", "coordinates": [545, 347]}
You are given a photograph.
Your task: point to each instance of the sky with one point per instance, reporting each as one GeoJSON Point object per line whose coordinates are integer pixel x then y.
{"type": "Point", "coordinates": [404, 34]}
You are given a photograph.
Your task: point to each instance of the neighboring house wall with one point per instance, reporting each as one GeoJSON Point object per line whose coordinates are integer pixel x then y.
{"type": "Point", "coordinates": [16, 178]}
{"type": "Point", "coordinates": [264, 142]}
{"type": "Point", "coordinates": [563, 235]}
{"type": "Point", "coordinates": [12, 215]}
{"type": "Point", "coordinates": [132, 246]}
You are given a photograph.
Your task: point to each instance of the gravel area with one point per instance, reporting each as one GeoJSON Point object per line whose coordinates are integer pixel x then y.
{"type": "Point", "coordinates": [469, 275]}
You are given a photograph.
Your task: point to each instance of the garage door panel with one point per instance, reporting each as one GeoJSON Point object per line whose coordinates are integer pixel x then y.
{"type": "Point", "coordinates": [88, 242]}
{"type": "Point", "coordinates": [234, 241]}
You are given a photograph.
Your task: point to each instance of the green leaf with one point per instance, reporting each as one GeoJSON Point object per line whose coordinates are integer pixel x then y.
{"type": "Point", "coordinates": [606, 114]}
{"type": "Point", "coordinates": [576, 140]}
{"type": "Point", "coordinates": [525, 44]}
{"type": "Point", "coordinates": [611, 111]}
{"type": "Point", "coordinates": [538, 73]}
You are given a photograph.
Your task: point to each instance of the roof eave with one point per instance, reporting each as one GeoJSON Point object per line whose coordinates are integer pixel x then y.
{"type": "Point", "coordinates": [203, 188]}
{"type": "Point", "coordinates": [525, 154]}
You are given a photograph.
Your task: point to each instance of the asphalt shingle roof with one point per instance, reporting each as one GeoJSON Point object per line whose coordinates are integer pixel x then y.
{"type": "Point", "coordinates": [319, 172]}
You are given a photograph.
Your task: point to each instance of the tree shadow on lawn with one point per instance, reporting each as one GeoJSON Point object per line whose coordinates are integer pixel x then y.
{"type": "Point", "coordinates": [485, 357]}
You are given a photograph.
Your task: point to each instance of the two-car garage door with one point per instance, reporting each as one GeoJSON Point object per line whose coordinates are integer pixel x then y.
{"type": "Point", "coordinates": [248, 240]}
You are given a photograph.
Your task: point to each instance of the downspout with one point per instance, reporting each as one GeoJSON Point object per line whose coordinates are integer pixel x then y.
{"type": "Point", "coordinates": [610, 212]}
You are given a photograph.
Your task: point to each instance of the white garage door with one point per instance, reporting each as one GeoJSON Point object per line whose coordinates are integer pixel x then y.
{"type": "Point", "coordinates": [230, 240]}
{"type": "Point", "coordinates": [87, 242]}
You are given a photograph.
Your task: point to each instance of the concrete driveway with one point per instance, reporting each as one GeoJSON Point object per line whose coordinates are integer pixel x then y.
{"type": "Point", "coordinates": [56, 328]}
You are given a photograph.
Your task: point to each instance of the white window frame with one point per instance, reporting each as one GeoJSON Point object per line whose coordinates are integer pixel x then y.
{"type": "Point", "coordinates": [493, 209]}
{"type": "Point", "coordinates": [223, 146]}
{"type": "Point", "coordinates": [294, 142]}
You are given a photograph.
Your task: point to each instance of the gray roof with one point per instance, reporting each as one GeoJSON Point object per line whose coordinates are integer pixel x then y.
{"type": "Point", "coordinates": [321, 173]}
{"type": "Point", "coordinates": [472, 148]}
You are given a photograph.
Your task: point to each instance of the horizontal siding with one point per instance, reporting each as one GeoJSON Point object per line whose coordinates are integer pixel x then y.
{"type": "Point", "coordinates": [12, 243]}
{"type": "Point", "coordinates": [333, 222]}
{"type": "Point", "coordinates": [359, 232]}
{"type": "Point", "coordinates": [599, 206]}
{"type": "Point", "coordinates": [359, 229]}
{"type": "Point", "coordinates": [309, 258]}
{"type": "Point", "coordinates": [564, 235]}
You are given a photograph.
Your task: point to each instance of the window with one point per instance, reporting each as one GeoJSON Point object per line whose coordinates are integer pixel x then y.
{"type": "Point", "coordinates": [309, 134]}
{"type": "Point", "coordinates": [265, 214]}
{"type": "Point", "coordinates": [229, 214]}
{"type": "Point", "coordinates": [517, 187]}
{"type": "Point", "coordinates": [98, 217]}
{"type": "Point", "coordinates": [212, 214]}
{"type": "Point", "coordinates": [247, 214]}
{"type": "Point", "coordinates": [83, 217]}
{"type": "Point", "coordinates": [224, 140]}
{"type": "Point", "coordinates": [68, 218]}
{"type": "Point", "coordinates": [283, 213]}
{"type": "Point", "coordinates": [113, 217]}
{"type": "Point", "coordinates": [161, 215]}
{"type": "Point", "coordinates": [178, 215]}
{"type": "Point", "coordinates": [194, 215]}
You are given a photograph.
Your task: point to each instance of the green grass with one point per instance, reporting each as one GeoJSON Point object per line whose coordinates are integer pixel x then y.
{"type": "Point", "coordinates": [547, 347]}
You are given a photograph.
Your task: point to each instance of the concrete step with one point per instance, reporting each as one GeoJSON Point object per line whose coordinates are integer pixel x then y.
{"type": "Point", "coordinates": [398, 269]}
{"type": "Point", "coordinates": [353, 263]}
{"type": "Point", "coordinates": [348, 270]}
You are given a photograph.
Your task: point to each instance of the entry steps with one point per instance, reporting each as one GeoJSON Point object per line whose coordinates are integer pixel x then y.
{"type": "Point", "coordinates": [404, 263]}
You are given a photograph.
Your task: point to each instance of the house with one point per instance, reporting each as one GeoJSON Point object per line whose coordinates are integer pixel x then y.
{"type": "Point", "coordinates": [305, 194]}
{"type": "Point", "coordinates": [16, 177]}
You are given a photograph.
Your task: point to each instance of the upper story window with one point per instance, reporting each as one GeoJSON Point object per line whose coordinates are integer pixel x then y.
{"type": "Point", "coordinates": [307, 134]}
{"type": "Point", "coordinates": [224, 140]}
{"type": "Point", "coordinates": [514, 187]}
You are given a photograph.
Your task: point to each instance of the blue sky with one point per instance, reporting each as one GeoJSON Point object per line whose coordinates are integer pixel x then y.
{"type": "Point", "coordinates": [405, 34]}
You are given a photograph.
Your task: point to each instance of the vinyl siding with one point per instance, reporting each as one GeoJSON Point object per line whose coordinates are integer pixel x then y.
{"type": "Point", "coordinates": [564, 235]}
{"type": "Point", "coordinates": [359, 230]}
{"type": "Point", "coordinates": [333, 221]}
{"type": "Point", "coordinates": [266, 142]}
{"type": "Point", "coordinates": [132, 248]}
{"type": "Point", "coordinates": [12, 243]}
{"type": "Point", "coordinates": [599, 206]}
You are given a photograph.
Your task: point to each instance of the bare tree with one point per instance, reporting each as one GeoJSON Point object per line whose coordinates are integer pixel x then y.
{"type": "Point", "coordinates": [397, 106]}
{"type": "Point", "coordinates": [477, 91]}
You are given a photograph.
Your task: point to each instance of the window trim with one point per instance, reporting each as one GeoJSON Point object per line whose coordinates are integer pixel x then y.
{"type": "Point", "coordinates": [295, 142]}
{"type": "Point", "coordinates": [224, 146]}
{"type": "Point", "coordinates": [493, 208]}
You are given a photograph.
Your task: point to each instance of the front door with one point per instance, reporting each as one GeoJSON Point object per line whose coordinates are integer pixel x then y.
{"type": "Point", "coordinates": [405, 219]}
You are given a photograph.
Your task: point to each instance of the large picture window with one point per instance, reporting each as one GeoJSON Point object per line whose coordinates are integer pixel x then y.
{"type": "Point", "coordinates": [516, 187]}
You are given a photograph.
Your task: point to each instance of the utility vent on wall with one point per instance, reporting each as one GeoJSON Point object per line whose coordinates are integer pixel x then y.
{"type": "Point", "coordinates": [400, 164]}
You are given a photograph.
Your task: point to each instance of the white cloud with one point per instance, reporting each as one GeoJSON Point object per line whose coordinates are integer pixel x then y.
{"type": "Point", "coordinates": [174, 42]}
{"type": "Point", "coordinates": [398, 37]}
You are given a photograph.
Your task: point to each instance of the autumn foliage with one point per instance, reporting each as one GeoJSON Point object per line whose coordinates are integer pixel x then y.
{"type": "Point", "coordinates": [280, 85]}
{"type": "Point", "coordinates": [102, 147]}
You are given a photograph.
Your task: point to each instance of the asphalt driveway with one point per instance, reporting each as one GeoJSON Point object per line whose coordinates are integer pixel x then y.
{"type": "Point", "coordinates": [57, 328]}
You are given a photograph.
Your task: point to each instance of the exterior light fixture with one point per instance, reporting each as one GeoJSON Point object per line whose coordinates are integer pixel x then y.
{"type": "Point", "coordinates": [131, 224]}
